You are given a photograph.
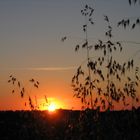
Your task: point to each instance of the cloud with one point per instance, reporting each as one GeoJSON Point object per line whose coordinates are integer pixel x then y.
{"type": "Point", "coordinates": [49, 68]}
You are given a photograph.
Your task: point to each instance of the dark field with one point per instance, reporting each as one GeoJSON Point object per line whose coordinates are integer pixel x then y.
{"type": "Point", "coordinates": [70, 125]}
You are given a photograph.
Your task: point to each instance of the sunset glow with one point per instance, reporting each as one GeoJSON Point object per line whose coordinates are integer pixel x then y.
{"type": "Point", "coordinates": [52, 107]}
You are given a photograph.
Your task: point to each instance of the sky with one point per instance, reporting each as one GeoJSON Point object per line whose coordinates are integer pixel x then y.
{"type": "Point", "coordinates": [31, 47]}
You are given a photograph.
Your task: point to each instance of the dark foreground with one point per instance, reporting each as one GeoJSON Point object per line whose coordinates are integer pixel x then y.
{"type": "Point", "coordinates": [70, 125]}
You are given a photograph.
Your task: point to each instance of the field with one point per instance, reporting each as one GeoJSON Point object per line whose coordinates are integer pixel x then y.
{"type": "Point", "coordinates": [70, 125]}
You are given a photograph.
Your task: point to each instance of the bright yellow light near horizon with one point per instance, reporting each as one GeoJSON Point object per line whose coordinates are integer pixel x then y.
{"type": "Point", "coordinates": [52, 107]}
{"type": "Point", "coordinates": [52, 104]}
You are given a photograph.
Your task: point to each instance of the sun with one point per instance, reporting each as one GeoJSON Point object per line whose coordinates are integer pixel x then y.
{"type": "Point", "coordinates": [52, 107]}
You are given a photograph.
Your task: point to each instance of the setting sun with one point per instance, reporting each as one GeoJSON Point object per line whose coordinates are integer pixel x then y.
{"type": "Point", "coordinates": [52, 107]}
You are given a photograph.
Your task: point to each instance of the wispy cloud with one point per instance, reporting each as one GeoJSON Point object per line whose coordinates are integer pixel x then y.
{"type": "Point", "coordinates": [44, 68]}
{"type": "Point", "coordinates": [51, 68]}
